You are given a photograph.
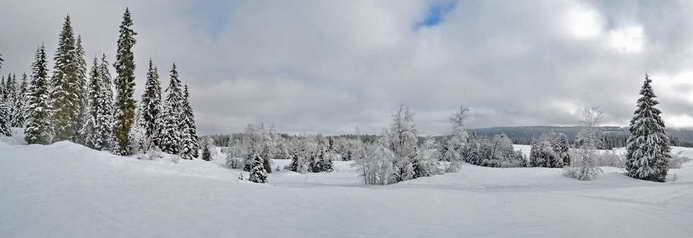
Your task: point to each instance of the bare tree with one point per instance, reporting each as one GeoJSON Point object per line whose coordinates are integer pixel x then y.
{"type": "Point", "coordinates": [584, 164]}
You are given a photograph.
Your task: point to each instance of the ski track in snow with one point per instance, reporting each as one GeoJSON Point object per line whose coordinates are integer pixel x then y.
{"type": "Point", "coordinates": [66, 190]}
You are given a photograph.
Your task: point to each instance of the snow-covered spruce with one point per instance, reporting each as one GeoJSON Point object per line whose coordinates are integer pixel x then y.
{"type": "Point", "coordinates": [64, 91]}
{"type": "Point", "coordinates": [98, 128]}
{"type": "Point", "coordinates": [150, 106]}
{"type": "Point", "coordinates": [258, 174]}
{"type": "Point", "coordinates": [37, 130]}
{"type": "Point", "coordinates": [171, 136]}
{"type": "Point", "coordinates": [648, 147]}
{"type": "Point", "coordinates": [190, 147]}
{"type": "Point", "coordinates": [125, 85]}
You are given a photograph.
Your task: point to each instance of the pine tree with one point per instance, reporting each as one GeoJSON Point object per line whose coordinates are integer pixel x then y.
{"type": "Point", "coordinates": [171, 136]}
{"type": "Point", "coordinates": [189, 144]}
{"type": "Point", "coordinates": [20, 103]}
{"type": "Point", "coordinates": [65, 91]}
{"type": "Point", "coordinates": [38, 121]}
{"type": "Point", "coordinates": [257, 169]}
{"type": "Point", "coordinates": [125, 85]}
{"type": "Point", "coordinates": [12, 94]}
{"type": "Point", "coordinates": [81, 88]}
{"type": "Point", "coordinates": [648, 145]}
{"type": "Point", "coordinates": [150, 106]}
{"type": "Point", "coordinates": [98, 127]}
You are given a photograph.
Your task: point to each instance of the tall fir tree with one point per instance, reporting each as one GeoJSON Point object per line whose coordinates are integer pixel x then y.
{"type": "Point", "coordinates": [150, 107]}
{"type": "Point", "coordinates": [171, 135]}
{"type": "Point", "coordinates": [189, 144]}
{"type": "Point", "coordinates": [65, 100]}
{"type": "Point", "coordinates": [81, 88]}
{"type": "Point", "coordinates": [125, 85]}
{"type": "Point", "coordinates": [21, 102]}
{"type": "Point", "coordinates": [38, 128]}
{"type": "Point", "coordinates": [648, 146]}
{"type": "Point", "coordinates": [98, 128]}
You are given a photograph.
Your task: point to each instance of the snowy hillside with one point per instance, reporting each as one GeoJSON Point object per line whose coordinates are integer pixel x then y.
{"type": "Point", "coordinates": [67, 190]}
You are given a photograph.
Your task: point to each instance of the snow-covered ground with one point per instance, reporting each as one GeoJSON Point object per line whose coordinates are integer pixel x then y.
{"type": "Point", "coordinates": [66, 190]}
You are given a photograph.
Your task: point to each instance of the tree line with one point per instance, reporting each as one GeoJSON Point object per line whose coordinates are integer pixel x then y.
{"type": "Point", "coordinates": [89, 106]}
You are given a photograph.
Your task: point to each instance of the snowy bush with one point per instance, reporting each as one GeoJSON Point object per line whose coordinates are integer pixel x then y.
{"type": "Point", "coordinates": [376, 164]}
{"type": "Point", "coordinates": [610, 158]}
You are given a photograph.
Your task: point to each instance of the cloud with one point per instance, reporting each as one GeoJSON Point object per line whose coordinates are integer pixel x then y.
{"type": "Point", "coordinates": [329, 67]}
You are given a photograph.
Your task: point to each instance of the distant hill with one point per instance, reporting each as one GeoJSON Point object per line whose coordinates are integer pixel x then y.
{"type": "Point", "coordinates": [613, 136]}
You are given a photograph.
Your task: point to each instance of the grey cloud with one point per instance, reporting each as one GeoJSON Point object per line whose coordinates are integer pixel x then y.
{"type": "Point", "coordinates": [332, 66]}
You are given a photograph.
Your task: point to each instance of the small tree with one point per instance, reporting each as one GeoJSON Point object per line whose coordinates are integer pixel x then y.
{"type": "Point", "coordinates": [206, 154]}
{"type": "Point", "coordinates": [585, 166]}
{"type": "Point", "coordinates": [257, 169]}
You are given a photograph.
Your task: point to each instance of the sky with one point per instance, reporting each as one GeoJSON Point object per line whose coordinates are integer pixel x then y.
{"type": "Point", "coordinates": [336, 67]}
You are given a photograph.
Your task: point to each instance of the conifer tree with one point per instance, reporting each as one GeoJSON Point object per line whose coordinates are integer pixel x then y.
{"type": "Point", "coordinates": [5, 120]}
{"type": "Point", "coordinates": [257, 169]}
{"type": "Point", "coordinates": [189, 144]}
{"type": "Point", "coordinates": [98, 127]}
{"type": "Point", "coordinates": [125, 85]}
{"type": "Point", "coordinates": [81, 88]}
{"type": "Point", "coordinates": [171, 136]}
{"type": "Point", "coordinates": [21, 103]}
{"type": "Point", "coordinates": [648, 146]}
{"type": "Point", "coordinates": [64, 90]}
{"type": "Point", "coordinates": [38, 121]}
{"type": "Point", "coordinates": [206, 154]}
{"type": "Point", "coordinates": [150, 107]}
{"type": "Point", "coordinates": [12, 96]}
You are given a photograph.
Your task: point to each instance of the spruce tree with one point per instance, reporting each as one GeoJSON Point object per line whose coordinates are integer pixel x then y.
{"type": "Point", "coordinates": [151, 105]}
{"type": "Point", "coordinates": [21, 103]}
{"type": "Point", "coordinates": [81, 88]}
{"type": "Point", "coordinates": [5, 120]}
{"type": "Point", "coordinates": [12, 95]}
{"type": "Point", "coordinates": [189, 144]}
{"type": "Point", "coordinates": [125, 85]}
{"type": "Point", "coordinates": [106, 110]}
{"type": "Point", "coordinates": [171, 136]}
{"type": "Point", "coordinates": [648, 146]}
{"type": "Point", "coordinates": [38, 121]}
{"type": "Point", "coordinates": [258, 174]}
{"type": "Point", "coordinates": [64, 90]}
{"type": "Point", "coordinates": [98, 127]}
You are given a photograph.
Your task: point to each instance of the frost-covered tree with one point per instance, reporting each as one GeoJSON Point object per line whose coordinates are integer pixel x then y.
{"type": "Point", "coordinates": [21, 103]}
{"type": "Point", "coordinates": [171, 135]}
{"type": "Point", "coordinates": [98, 128]}
{"type": "Point", "coordinates": [542, 154]}
{"type": "Point", "coordinates": [452, 149]}
{"type": "Point", "coordinates": [65, 92]}
{"type": "Point", "coordinates": [150, 106]}
{"type": "Point", "coordinates": [81, 89]}
{"type": "Point", "coordinates": [189, 140]}
{"type": "Point", "coordinates": [648, 147]}
{"type": "Point", "coordinates": [376, 163]}
{"type": "Point", "coordinates": [561, 146]}
{"type": "Point", "coordinates": [401, 139]}
{"type": "Point", "coordinates": [257, 169]}
{"type": "Point", "coordinates": [125, 85]}
{"type": "Point", "coordinates": [37, 130]}
{"type": "Point", "coordinates": [585, 165]}
{"type": "Point", "coordinates": [427, 159]}
{"type": "Point", "coordinates": [5, 122]}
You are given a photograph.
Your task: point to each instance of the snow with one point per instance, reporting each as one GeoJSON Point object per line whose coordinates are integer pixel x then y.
{"type": "Point", "coordinates": [67, 190]}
